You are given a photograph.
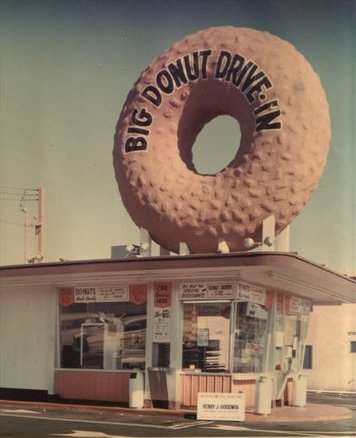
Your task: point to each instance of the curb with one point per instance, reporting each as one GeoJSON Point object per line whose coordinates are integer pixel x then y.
{"type": "Point", "coordinates": [311, 413]}
{"type": "Point", "coordinates": [87, 407]}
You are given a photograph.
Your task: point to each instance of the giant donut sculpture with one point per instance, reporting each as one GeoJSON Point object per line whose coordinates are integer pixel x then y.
{"type": "Point", "coordinates": [274, 94]}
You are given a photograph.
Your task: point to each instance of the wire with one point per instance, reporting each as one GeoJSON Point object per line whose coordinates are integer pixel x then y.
{"type": "Point", "coordinates": [18, 194]}
{"type": "Point", "coordinates": [18, 199]}
{"type": "Point", "coordinates": [17, 188]}
{"type": "Point", "coordinates": [11, 223]}
{"type": "Point", "coordinates": [17, 223]}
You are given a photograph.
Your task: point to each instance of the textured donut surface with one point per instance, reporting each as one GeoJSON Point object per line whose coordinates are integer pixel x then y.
{"type": "Point", "coordinates": [277, 98]}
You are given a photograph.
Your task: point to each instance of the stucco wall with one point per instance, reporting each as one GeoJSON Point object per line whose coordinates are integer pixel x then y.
{"type": "Point", "coordinates": [331, 330]}
{"type": "Point", "coordinates": [27, 337]}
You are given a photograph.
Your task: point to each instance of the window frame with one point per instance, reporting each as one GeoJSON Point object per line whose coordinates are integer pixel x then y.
{"type": "Point", "coordinates": [79, 320]}
{"type": "Point", "coordinates": [266, 343]}
{"type": "Point", "coordinates": [230, 303]}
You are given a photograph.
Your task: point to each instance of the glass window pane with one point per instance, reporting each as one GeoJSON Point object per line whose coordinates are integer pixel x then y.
{"type": "Point", "coordinates": [250, 337]}
{"type": "Point", "coordinates": [308, 357]}
{"type": "Point", "coordinates": [206, 337]}
{"type": "Point", "coordinates": [103, 335]}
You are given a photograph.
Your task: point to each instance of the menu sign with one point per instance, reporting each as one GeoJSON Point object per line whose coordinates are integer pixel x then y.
{"type": "Point", "coordinates": [206, 291]}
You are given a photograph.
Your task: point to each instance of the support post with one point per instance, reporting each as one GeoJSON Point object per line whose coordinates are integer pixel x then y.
{"type": "Point", "coordinates": [145, 246]}
{"type": "Point", "coordinates": [163, 252]}
{"type": "Point", "coordinates": [282, 240]}
{"type": "Point", "coordinates": [183, 248]}
{"type": "Point", "coordinates": [268, 233]}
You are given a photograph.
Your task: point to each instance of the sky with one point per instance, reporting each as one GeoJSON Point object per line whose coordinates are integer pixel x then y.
{"type": "Point", "coordinates": [66, 67]}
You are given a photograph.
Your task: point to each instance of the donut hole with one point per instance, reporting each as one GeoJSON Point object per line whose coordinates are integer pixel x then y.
{"type": "Point", "coordinates": [218, 118]}
{"type": "Point", "coordinates": [216, 145]}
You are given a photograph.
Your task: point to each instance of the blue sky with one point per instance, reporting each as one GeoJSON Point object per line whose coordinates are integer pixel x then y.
{"type": "Point", "coordinates": [66, 69]}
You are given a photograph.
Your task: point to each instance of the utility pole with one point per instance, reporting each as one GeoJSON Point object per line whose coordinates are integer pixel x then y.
{"type": "Point", "coordinates": [39, 226]}
{"type": "Point", "coordinates": [23, 209]}
{"type": "Point", "coordinates": [31, 218]}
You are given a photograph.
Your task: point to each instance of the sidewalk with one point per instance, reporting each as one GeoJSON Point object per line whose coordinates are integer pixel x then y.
{"type": "Point", "coordinates": [287, 414]}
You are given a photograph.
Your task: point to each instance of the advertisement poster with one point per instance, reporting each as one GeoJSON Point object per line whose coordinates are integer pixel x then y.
{"type": "Point", "coordinates": [162, 312]}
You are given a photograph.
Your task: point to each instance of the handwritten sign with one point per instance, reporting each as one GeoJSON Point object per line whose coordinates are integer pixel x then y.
{"type": "Point", "coordinates": [249, 292]}
{"type": "Point", "coordinates": [206, 291]}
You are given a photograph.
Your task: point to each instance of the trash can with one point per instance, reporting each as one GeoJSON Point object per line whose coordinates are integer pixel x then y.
{"type": "Point", "coordinates": [263, 396]}
{"type": "Point", "coordinates": [136, 390]}
{"type": "Point", "coordinates": [299, 397]}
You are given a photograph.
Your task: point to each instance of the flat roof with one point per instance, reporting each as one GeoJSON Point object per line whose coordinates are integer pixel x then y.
{"type": "Point", "coordinates": [286, 272]}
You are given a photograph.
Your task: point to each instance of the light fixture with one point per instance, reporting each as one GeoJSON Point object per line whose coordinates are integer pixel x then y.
{"type": "Point", "coordinates": [35, 259]}
{"type": "Point", "coordinates": [145, 246]}
{"type": "Point", "coordinates": [133, 249]}
{"type": "Point", "coordinates": [250, 243]}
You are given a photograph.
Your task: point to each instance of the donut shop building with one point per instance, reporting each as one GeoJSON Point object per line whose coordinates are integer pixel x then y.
{"type": "Point", "coordinates": [166, 328]}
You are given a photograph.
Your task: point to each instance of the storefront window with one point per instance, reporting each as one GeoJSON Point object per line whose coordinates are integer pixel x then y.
{"type": "Point", "coordinates": [249, 337]}
{"type": "Point", "coordinates": [206, 337]}
{"type": "Point", "coordinates": [103, 335]}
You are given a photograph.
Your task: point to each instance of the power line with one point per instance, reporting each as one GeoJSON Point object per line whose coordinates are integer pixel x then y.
{"type": "Point", "coordinates": [15, 223]}
{"type": "Point", "coordinates": [18, 188]}
{"type": "Point", "coordinates": [18, 194]}
{"type": "Point", "coordinates": [18, 199]}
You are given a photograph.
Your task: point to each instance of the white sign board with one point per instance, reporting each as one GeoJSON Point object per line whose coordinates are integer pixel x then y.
{"type": "Point", "coordinates": [221, 406]}
{"type": "Point", "coordinates": [249, 292]}
{"type": "Point", "coordinates": [256, 311]}
{"type": "Point", "coordinates": [101, 294]}
{"type": "Point", "coordinates": [296, 305]}
{"type": "Point", "coordinates": [202, 337]}
{"type": "Point", "coordinates": [206, 291]}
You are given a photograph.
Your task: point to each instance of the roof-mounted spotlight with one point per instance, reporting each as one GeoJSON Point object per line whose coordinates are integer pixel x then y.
{"type": "Point", "coordinates": [134, 250]}
{"type": "Point", "coordinates": [250, 243]}
{"type": "Point", "coordinates": [35, 259]}
{"type": "Point", "coordinates": [145, 246]}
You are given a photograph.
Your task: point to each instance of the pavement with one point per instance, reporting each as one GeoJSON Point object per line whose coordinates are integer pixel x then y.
{"type": "Point", "coordinates": [312, 412]}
